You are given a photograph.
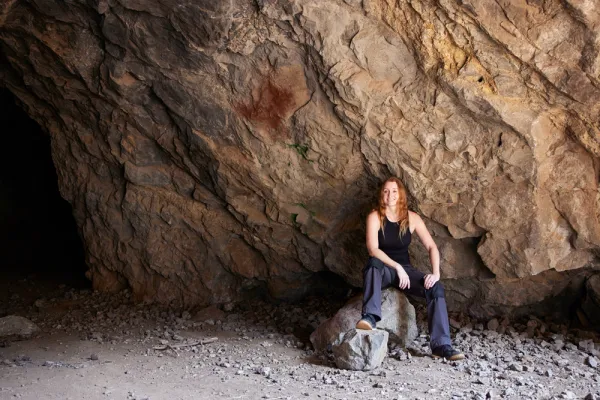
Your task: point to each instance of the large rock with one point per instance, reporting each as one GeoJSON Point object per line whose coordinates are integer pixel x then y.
{"type": "Point", "coordinates": [397, 318]}
{"type": "Point", "coordinates": [361, 350]}
{"type": "Point", "coordinates": [209, 313]}
{"type": "Point", "coordinates": [13, 326]}
{"type": "Point", "coordinates": [212, 148]}
{"type": "Point", "coordinates": [591, 302]}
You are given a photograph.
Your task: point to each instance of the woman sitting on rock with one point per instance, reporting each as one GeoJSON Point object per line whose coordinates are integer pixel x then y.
{"type": "Point", "coordinates": [389, 231]}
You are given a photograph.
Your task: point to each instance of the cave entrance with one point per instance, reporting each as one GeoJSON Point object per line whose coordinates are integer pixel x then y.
{"type": "Point", "coordinates": [38, 235]}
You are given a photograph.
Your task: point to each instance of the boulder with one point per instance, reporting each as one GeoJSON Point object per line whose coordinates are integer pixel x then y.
{"type": "Point", "coordinates": [15, 326]}
{"type": "Point", "coordinates": [213, 313]}
{"type": "Point", "coordinates": [398, 319]}
{"type": "Point", "coordinates": [360, 350]}
{"type": "Point", "coordinates": [591, 302]}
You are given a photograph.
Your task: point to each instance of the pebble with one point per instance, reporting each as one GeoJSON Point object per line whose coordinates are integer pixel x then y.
{"type": "Point", "coordinates": [493, 325]}
{"type": "Point", "coordinates": [567, 395]}
{"type": "Point", "coordinates": [264, 371]}
{"type": "Point", "coordinates": [515, 367]}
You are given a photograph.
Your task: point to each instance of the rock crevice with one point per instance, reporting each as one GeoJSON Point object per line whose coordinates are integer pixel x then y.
{"type": "Point", "coordinates": [215, 147]}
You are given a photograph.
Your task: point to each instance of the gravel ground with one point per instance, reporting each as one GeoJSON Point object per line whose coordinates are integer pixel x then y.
{"type": "Point", "coordinates": [98, 346]}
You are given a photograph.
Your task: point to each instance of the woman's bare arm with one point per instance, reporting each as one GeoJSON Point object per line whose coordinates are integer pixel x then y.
{"type": "Point", "coordinates": [427, 240]}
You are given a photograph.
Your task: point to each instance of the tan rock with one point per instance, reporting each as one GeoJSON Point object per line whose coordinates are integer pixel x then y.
{"type": "Point", "coordinates": [209, 313]}
{"type": "Point", "coordinates": [213, 148]}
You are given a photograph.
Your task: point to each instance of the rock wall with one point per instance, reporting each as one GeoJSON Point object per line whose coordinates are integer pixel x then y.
{"type": "Point", "coordinates": [213, 147]}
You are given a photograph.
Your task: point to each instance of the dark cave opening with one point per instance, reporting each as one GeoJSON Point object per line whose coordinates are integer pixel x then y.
{"type": "Point", "coordinates": [39, 241]}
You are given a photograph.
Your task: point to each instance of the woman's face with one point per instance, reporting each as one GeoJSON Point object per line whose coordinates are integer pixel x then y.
{"type": "Point", "coordinates": [390, 194]}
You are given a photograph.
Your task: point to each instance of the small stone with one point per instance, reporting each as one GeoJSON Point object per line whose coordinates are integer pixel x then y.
{"type": "Point", "coordinates": [532, 323]}
{"type": "Point", "coordinates": [94, 357]}
{"type": "Point", "coordinates": [493, 325]}
{"type": "Point", "coordinates": [40, 303]}
{"type": "Point", "coordinates": [562, 362]}
{"type": "Point", "coordinates": [570, 347]}
{"type": "Point", "coordinates": [586, 345]}
{"type": "Point", "coordinates": [264, 371]}
{"type": "Point", "coordinates": [548, 373]}
{"type": "Point", "coordinates": [502, 375]}
{"type": "Point", "coordinates": [568, 395]}
{"type": "Point", "coordinates": [186, 315]}
{"type": "Point", "coordinates": [515, 367]}
{"type": "Point", "coordinates": [558, 345]}
{"type": "Point", "coordinates": [50, 364]}
{"type": "Point", "coordinates": [592, 362]}
{"type": "Point", "coordinates": [483, 381]}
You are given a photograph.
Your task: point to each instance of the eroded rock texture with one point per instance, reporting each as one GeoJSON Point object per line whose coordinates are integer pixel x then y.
{"type": "Point", "coordinates": [209, 147]}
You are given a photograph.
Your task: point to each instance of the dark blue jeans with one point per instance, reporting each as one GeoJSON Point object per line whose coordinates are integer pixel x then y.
{"type": "Point", "coordinates": [378, 276]}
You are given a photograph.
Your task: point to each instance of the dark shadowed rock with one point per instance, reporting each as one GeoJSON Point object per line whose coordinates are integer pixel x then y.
{"type": "Point", "coordinates": [591, 302]}
{"type": "Point", "coordinates": [18, 327]}
{"type": "Point", "coordinates": [209, 313]}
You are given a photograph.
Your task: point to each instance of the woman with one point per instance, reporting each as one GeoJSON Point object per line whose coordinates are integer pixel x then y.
{"type": "Point", "coordinates": [389, 232]}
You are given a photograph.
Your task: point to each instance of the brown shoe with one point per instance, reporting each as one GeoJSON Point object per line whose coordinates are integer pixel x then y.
{"type": "Point", "coordinates": [366, 323]}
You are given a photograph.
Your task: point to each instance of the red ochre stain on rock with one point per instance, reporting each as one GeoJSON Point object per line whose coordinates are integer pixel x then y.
{"type": "Point", "coordinates": [269, 106]}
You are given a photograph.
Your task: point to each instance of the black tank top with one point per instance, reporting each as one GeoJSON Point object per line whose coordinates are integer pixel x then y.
{"type": "Point", "coordinates": [395, 246]}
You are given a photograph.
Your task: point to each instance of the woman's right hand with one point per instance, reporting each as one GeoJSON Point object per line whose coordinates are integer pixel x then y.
{"type": "Point", "coordinates": [402, 277]}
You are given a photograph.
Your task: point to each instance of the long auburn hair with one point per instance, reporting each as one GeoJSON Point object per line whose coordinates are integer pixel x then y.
{"type": "Point", "coordinates": [402, 206]}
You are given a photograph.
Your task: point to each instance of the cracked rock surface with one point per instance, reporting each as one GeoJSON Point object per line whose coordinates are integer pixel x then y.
{"type": "Point", "coordinates": [210, 147]}
{"type": "Point", "coordinates": [360, 350]}
{"type": "Point", "coordinates": [398, 319]}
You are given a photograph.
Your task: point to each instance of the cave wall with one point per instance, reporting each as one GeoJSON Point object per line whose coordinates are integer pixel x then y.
{"type": "Point", "coordinates": [213, 147]}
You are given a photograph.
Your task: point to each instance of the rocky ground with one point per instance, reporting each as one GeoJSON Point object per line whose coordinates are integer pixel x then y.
{"type": "Point", "coordinates": [96, 346]}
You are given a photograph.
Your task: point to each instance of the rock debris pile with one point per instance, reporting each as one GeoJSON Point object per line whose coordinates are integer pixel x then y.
{"type": "Point", "coordinates": [269, 344]}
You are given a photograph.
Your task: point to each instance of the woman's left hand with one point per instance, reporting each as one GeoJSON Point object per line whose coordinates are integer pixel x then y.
{"type": "Point", "coordinates": [430, 280]}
